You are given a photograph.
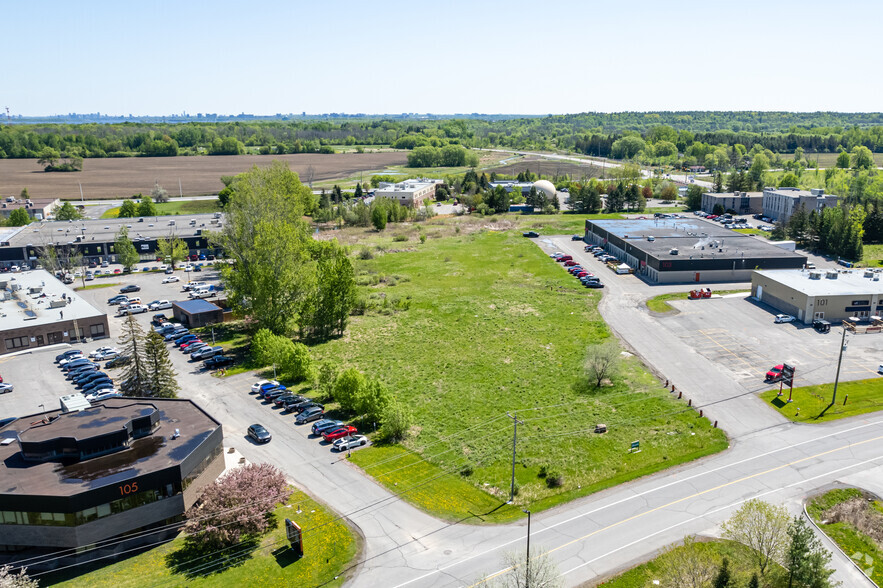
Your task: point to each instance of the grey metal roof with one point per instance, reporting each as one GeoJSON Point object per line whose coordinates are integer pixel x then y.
{"type": "Point", "coordinates": [848, 282]}
{"type": "Point", "coordinates": [196, 306]}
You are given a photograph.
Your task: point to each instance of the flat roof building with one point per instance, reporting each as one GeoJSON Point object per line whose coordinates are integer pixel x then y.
{"type": "Point", "coordinates": [38, 208]}
{"type": "Point", "coordinates": [738, 202]}
{"type": "Point", "coordinates": [831, 295]}
{"type": "Point", "coordinates": [94, 239]}
{"type": "Point", "coordinates": [197, 313]}
{"type": "Point", "coordinates": [780, 203]}
{"type": "Point", "coordinates": [687, 250]}
{"type": "Point", "coordinates": [412, 193]}
{"type": "Point", "coordinates": [71, 479]}
{"type": "Point", "coordinates": [36, 309]}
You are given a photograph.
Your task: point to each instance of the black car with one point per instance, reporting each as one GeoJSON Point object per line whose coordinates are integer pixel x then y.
{"type": "Point", "coordinates": [594, 285]}
{"type": "Point", "coordinates": [130, 288]}
{"type": "Point", "coordinates": [118, 361]}
{"type": "Point", "coordinates": [822, 326]}
{"type": "Point", "coordinates": [275, 393]}
{"type": "Point", "coordinates": [81, 370]}
{"type": "Point", "coordinates": [576, 238]}
{"type": "Point", "coordinates": [84, 379]}
{"type": "Point", "coordinates": [288, 405]}
{"type": "Point", "coordinates": [282, 399]}
{"type": "Point", "coordinates": [217, 361]}
{"type": "Point", "coordinates": [259, 434]}
{"type": "Point", "coordinates": [97, 385]}
{"type": "Point", "coordinates": [530, 234]}
{"type": "Point", "coordinates": [305, 406]}
{"type": "Point", "coordinates": [67, 354]}
{"type": "Point", "coordinates": [68, 367]}
{"type": "Point", "coordinates": [159, 319]}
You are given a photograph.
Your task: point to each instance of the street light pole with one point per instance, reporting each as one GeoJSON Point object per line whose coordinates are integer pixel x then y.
{"type": "Point", "coordinates": [527, 558]}
{"type": "Point", "coordinates": [839, 361]}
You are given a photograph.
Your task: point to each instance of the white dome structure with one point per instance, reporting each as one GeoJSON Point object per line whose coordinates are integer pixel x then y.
{"type": "Point", "coordinates": [546, 187]}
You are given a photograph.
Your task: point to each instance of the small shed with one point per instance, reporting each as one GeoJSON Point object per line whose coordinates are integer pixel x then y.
{"type": "Point", "coordinates": [197, 313]}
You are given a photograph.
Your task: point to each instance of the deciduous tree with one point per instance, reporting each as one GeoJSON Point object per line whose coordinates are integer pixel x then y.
{"type": "Point", "coordinates": [19, 217]}
{"type": "Point", "coordinates": [146, 207]}
{"type": "Point", "coordinates": [125, 250]}
{"type": "Point", "coordinates": [842, 160]}
{"type": "Point", "coordinates": [128, 209]}
{"type": "Point", "coordinates": [172, 249]}
{"type": "Point", "coordinates": [347, 387]}
{"type": "Point", "coordinates": [158, 193]}
{"type": "Point", "coordinates": [687, 566]}
{"type": "Point", "coordinates": [19, 580]}
{"type": "Point", "coordinates": [68, 211]}
{"type": "Point", "coordinates": [862, 158]}
{"type": "Point", "coordinates": [763, 527]}
{"type": "Point", "coordinates": [237, 506]}
{"type": "Point", "coordinates": [396, 421]}
{"type": "Point", "coordinates": [602, 362]}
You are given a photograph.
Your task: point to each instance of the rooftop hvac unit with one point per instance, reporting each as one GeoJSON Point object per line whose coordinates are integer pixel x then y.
{"type": "Point", "coordinates": [815, 275]}
{"type": "Point", "coordinates": [831, 275]}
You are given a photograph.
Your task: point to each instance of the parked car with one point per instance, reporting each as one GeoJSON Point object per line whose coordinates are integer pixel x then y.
{"type": "Point", "coordinates": [304, 406]}
{"type": "Point", "coordinates": [344, 431]}
{"type": "Point", "coordinates": [118, 361]}
{"type": "Point", "coordinates": [159, 319]}
{"type": "Point", "coordinates": [557, 255]}
{"type": "Point", "coordinates": [97, 385]}
{"type": "Point", "coordinates": [593, 284]}
{"type": "Point", "coordinates": [67, 354]}
{"type": "Point", "coordinates": [117, 299]}
{"type": "Point", "coordinates": [194, 347]}
{"type": "Point", "coordinates": [191, 285]}
{"type": "Point", "coordinates": [6, 388]}
{"type": "Point", "coordinates": [108, 355]}
{"type": "Point", "coordinates": [87, 379]}
{"type": "Point", "coordinates": [100, 395]}
{"type": "Point", "coordinates": [775, 373]}
{"type": "Point", "coordinates": [347, 443]}
{"type": "Point", "coordinates": [217, 361]}
{"type": "Point", "coordinates": [259, 433]}
{"type": "Point", "coordinates": [576, 238]}
{"type": "Point", "coordinates": [565, 258]}
{"type": "Point", "coordinates": [291, 404]}
{"type": "Point", "coordinates": [76, 373]}
{"type": "Point", "coordinates": [283, 398]}
{"type": "Point", "coordinates": [530, 234]}
{"type": "Point", "coordinates": [311, 414]}
{"type": "Point", "coordinates": [270, 395]}
{"type": "Point", "coordinates": [170, 279]}
{"type": "Point", "coordinates": [256, 387]}
{"type": "Point", "coordinates": [167, 328]}
{"type": "Point", "coordinates": [175, 333]}
{"type": "Point", "coordinates": [159, 305]}
{"type": "Point", "coordinates": [130, 288]}
{"type": "Point", "coordinates": [207, 353]}
{"type": "Point", "coordinates": [783, 318]}
{"type": "Point", "coordinates": [324, 425]}
{"type": "Point", "coordinates": [80, 362]}
{"type": "Point", "coordinates": [134, 309]}
{"type": "Point", "coordinates": [187, 345]}
{"type": "Point", "coordinates": [188, 336]}
{"type": "Point", "coordinates": [822, 326]}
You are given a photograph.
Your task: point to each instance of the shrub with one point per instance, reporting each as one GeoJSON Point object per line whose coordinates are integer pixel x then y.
{"type": "Point", "coordinates": [422, 238]}
{"type": "Point", "coordinates": [365, 253]}
{"type": "Point", "coordinates": [466, 471]}
{"type": "Point", "coordinates": [554, 479]}
{"type": "Point", "coordinates": [400, 238]}
{"type": "Point", "coordinates": [396, 422]}
{"type": "Point", "coordinates": [297, 363]}
{"type": "Point", "coordinates": [347, 387]}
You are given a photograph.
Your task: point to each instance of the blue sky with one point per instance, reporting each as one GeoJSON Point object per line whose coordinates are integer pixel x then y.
{"type": "Point", "coordinates": [552, 56]}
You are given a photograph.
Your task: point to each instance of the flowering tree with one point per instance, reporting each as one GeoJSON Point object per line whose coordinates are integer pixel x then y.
{"type": "Point", "coordinates": [19, 580]}
{"type": "Point", "coordinates": [238, 505]}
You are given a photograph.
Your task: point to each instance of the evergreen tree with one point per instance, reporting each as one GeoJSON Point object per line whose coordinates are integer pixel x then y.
{"type": "Point", "coordinates": [723, 578]}
{"type": "Point", "coordinates": [718, 182]}
{"type": "Point", "coordinates": [483, 182]}
{"type": "Point", "coordinates": [161, 374]}
{"type": "Point", "coordinates": [137, 374]}
{"type": "Point", "coordinates": [632, 194]}
{"type": "Point", "coordinates": [806, 560]}
{"type": "Point", "coordinates": [797, 225]}
{"type": "Point", "coordinates": [778, 233]}
{"type": "Point", "coordinates": [754, 582]}
{"type": "Point", "coordinates": [358, 192]}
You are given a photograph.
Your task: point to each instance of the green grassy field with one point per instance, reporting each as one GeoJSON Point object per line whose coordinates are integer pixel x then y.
{"type": "Point", "coordinates": [739, 556]}
{"type": "Point", "coordinates": [96, 286]}
{"type": "Point", "coordinates": [864, 396]}
{"type": "Point", "coordinates": [495, 326]}
{"type": "Point", "coordinates": [329, 546]}
{"type": "Point", "coordinates": [826, 160]}
{"type": "Point", "coordinates": [863, 550]}
{"type": "Point", "coordinates": [175, 207]}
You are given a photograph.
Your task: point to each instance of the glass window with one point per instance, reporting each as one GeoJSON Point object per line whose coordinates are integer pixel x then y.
{"type": "Point", "coordinates": [103, 510]}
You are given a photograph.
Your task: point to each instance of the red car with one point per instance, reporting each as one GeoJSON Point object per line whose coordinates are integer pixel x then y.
{"type": "Point", "coordinates": [775, 373]}
{"type": "Point", "coordinates": [564, 258]}
{"type": "Point", "coordinates": [582, 274]}
{"type": "Point", "coordinates": [570, 263]}
{"type": "Point", "coordinates": [189, 343]}
{"type": "Point", "coordinates": [194, 257]}
{"type": "Point", "coordinates": [339, 433]}
{"type": "Point", "coordinates": [118, 271]}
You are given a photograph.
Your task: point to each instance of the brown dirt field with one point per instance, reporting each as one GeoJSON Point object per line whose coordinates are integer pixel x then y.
{"type": "Point", "coordinates": [548, 167]}
{"type": "Point", "coordinates": [123, 177]}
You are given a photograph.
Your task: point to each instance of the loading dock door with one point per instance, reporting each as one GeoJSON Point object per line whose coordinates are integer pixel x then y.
{"type": "Point", "coordinates": [760, 292]}
{"type": "Point", "coordinates": [697, 276]}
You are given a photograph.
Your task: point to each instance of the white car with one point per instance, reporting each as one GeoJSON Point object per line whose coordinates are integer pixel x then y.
{"type": "Point", "coordinates": [103, 394]}
{"type": "Point", "coordinates": [64, 362]}
{"type": "Point", "coordinates": [345, 443]}
{"type": "Point", "coordinates": [100, 351]}
{"type": "Point", "coordinates": [4, 388]}
{"type": "Point", "coordinates": [108, 355]}
{"type": "Point", "coordinates": [135, 309]}
{"type": "Point", "coordinates": [170, 279]}
{"type": "Point", "coordinates": [160, 305]}
{"type": "Point", "coordinates": [256, 387]}
{"type": "Point", "coordinates": [784, 318]}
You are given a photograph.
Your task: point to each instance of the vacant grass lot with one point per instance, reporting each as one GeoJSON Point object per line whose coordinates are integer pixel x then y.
{"type": "Point", "coordinates": [860, 547]}
{"type": "Point", "coordinates": [660, 303]}
{"type": "Point", "coordinates": [494, 326]}
{"type": "Point", "coordinates": [329, 546]}
{"type": "Point", "coordinates": [175, 207]}
{"type": "Point", "coordinates": [864, 396]}
{"type": "Point", "coordinates": [739, 556]}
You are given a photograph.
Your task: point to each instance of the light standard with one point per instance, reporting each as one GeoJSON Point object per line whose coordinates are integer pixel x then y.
{"type": "Point", "coordinates": [527, 558]}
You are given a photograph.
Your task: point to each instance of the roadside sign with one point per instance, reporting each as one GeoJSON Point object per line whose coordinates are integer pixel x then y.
{"type": "Point", "coordinates": [636, 446]}
{"type": "Point", "coordinates": [293, 533]}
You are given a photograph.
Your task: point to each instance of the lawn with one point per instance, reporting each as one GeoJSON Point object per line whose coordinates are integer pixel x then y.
{"type": "Point", "coordinates": [739, 556]}
{"type": "Point", "coordinates": [493, 325]}
{"type": "Point", "coordinates": [329, 547]}
{"type": "Point", "coordinates": [809, 401]}
{"type": "Point", "coordinates": [96, 286]}
{"type": "Point", "coordinates": [863, 550]}
{"type": "Point", "coordinates": [175, 207]}
{"type": "Point", "coordinates": [660, 303]}
{"type": "Point", "coordinates": [753, 232]}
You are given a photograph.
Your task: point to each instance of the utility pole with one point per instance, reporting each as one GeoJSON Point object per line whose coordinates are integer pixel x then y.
{"type": "Point", "coordinates": [839, 361]}
{"type": "Point", "coordinates": [527, 558]}
{"type": "Point", "coordinates": [515, 422]}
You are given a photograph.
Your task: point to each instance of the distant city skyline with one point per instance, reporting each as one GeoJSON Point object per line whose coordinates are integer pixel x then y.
{"type": "Point", "coordinates": [275, 57]}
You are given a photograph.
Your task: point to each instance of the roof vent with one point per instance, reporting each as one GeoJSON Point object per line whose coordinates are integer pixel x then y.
{"type": "Point", "coordinates": [831, 275]}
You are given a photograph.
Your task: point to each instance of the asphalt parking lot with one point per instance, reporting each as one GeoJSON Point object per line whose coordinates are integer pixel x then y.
{"type": "Point", "coordinates": [738, 334]}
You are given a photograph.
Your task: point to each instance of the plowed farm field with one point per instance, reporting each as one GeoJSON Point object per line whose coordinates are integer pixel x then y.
{"type": "Point", "coordinates": [123, 177]}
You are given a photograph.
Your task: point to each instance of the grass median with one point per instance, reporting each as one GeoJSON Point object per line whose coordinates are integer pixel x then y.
{"type": "Point", "coordinates": [329, 547]}
{"type": "Point", "coordinates": [660, 303]}
{"type": "Point", "coordinates": [491, 326]}
{"type": "Point", "coordinates": [812, 404]}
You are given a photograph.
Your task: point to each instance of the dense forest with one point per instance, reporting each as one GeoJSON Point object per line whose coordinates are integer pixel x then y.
{"type": "Point", "coordinates": [605, 135]}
